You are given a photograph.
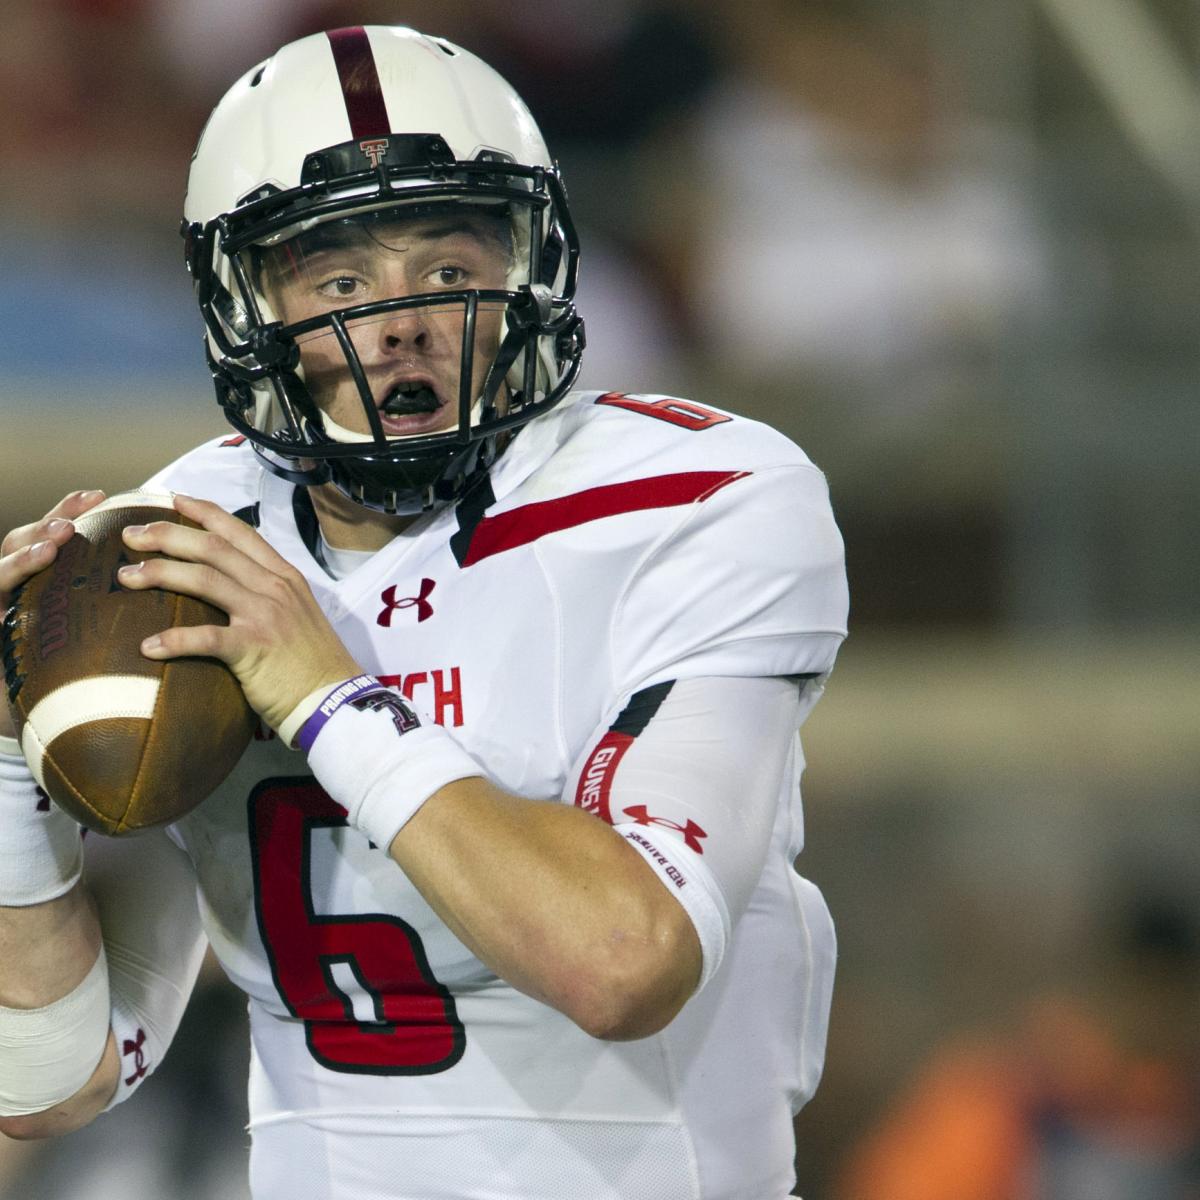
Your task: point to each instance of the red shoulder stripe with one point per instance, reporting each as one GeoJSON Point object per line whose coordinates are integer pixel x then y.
{"type": "Point", "coordinates": [360, 82]}
{"type": "Point", "coordinates": [519, 526]}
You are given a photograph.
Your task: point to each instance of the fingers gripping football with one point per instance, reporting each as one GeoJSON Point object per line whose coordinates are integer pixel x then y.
{"type": "Point", "coordinates": [29, 549]}
{"type": "Point", "coordinates": [278, 642]}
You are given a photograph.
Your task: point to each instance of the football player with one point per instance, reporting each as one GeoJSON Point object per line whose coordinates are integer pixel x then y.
{"type": "Point", "coordinates": [507, 877]}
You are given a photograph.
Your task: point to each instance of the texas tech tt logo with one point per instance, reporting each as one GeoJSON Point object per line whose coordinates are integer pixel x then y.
{"type": "Point", "coordinates": [420, 602]}
{"type": "Point", "coordinates": [374, 149]}
{"type": "Point", "coordinates": [403, 717]}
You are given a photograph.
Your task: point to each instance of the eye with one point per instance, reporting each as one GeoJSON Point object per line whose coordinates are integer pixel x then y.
{"type": "Point", "coordinates": [450, 276]}
{"type": "Point", "coordinates": [341, 287]}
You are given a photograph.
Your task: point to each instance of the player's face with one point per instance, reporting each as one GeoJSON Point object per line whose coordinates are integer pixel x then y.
{"type": "Point", "coordinates": [412, 357]}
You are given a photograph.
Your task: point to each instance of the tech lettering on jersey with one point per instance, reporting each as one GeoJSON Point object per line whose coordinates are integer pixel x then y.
{"type": "Point", "coordinates": [447, 686]}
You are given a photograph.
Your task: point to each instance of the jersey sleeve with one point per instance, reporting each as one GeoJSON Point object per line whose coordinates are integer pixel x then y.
{"type": "Point", "coordinates": [751, 582]}
{"type": "Point", "coordinates": [690, 773]}
{"type": "Point", "coordinates": [145, 893]}
{"type": "Point", "coordinates": [223, 470]}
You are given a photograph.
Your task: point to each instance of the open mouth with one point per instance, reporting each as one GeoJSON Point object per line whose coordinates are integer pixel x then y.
{"type": "Point", "coordinates": [410, 400]}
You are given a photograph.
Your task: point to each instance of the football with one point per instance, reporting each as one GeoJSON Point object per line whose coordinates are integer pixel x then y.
{"type": "Point", "coordinates": [120, 741]}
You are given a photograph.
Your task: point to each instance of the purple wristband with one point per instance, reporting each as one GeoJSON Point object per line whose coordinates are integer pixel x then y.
{"type": "Point", "coordinates": [362, 692]}
{"type": "Point", "coordinates": [358, 686]}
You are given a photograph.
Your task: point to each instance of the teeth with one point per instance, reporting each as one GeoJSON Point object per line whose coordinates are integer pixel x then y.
{"type": "Point", "coordinates": [410, 398]}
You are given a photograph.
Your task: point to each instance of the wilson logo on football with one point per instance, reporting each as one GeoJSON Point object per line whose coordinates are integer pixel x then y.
{"type": "Point", "coordinates": [374, 149]}
{"type": "Point", "coordinates": [692, 833]}
{"type": "Point", "coordinates": [52, 613]}
{"type": "Point", "coordinates": [420, 602]}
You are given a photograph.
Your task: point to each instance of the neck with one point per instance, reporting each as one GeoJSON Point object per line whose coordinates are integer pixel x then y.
{"type": "Point", "coordinates": [349, 526]}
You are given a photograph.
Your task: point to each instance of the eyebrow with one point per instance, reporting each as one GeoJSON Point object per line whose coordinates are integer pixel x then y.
{"type": "Point", "coordinates": [451, 228]}
{"type": "Point", "coordinates": [331, 240]}
{"type": "Point", "coordinates": [479, 231]}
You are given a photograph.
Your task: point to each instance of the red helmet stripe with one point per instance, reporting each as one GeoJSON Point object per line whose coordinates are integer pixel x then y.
{"type": "Point", "coordinates": [360, 82]}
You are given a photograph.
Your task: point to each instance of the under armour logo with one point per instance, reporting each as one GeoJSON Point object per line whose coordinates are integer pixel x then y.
{"type": "Point", "coordinates": [692, 833]}
{"type": "Point", "coordinates": [420, 602]}
{"type": "Point", "coordinates": [139, 1057]}
{"type": "Point", "coordinates": [374, 149]}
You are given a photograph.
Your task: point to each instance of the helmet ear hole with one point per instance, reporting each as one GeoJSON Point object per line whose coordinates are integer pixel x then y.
{"type": "Point", "coordinates": [297, 395]}
{"type": "Point", "coordinates": [552, 255]}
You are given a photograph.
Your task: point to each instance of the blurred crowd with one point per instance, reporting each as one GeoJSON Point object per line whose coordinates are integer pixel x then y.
{"type": "Point", "coordinates": [966, 305]}
{"type": "Point", "coordinates": [787, 210]}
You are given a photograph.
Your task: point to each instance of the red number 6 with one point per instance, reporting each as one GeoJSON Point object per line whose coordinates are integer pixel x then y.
{"type": "Point", "coordinates": [684, 413]}
{"type": "Point", "coordinates": [416, 1030]}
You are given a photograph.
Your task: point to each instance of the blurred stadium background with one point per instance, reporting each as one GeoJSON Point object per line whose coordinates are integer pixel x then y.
{"type": "Point", "coordinates": [950, 248]}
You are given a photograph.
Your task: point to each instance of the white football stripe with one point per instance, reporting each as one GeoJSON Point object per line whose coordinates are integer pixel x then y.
{"type": "Point", "coordinates": [74, 704]}
{"type": "Point", "coordinates": [135, 500]}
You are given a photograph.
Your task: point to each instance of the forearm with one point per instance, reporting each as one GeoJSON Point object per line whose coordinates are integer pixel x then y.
{"type": "Point", "coordinates": [58, 1059]}
{"type": "Point", "coordinates": [556, 903]}
{"type": "Point", "coordinates": [47, 949]}
{"type": "Point", "coordinates": [66, 988]}
{"type": "Point", "coordinates": [617, 924]}
{"type": "Point", "coordinates": [76, 1111]}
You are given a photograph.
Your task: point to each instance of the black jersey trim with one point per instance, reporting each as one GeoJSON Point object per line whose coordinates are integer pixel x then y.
{"type": "Point", "coordinates": [308, 526]}
{"type": "Point", "coordinates": [250, 515]}
{"type": "Point", "coordinates": [470, 512]}
{"type": "Point", "coordinates": [641, 709]}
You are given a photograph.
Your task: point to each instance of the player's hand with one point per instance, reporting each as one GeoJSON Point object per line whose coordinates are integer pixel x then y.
{"type": "Point", "coordinates": [278, 642]}
{"type": "Point", "coordinates": [29, 549]}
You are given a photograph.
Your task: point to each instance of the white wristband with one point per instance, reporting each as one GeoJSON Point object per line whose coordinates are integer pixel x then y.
{"type": "Point", "coordinates": [378, 773]}
{"type": "Point", "coordinates": [41, 848]}
{"type": "Point", "coordinates": [290, 725]}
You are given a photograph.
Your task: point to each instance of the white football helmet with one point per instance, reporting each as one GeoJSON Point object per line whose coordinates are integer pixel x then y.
{"type": "Point", "coordinates": [366, 128]}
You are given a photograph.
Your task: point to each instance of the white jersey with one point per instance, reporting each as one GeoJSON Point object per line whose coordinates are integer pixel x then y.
{"type": "Point", "coordinates": [620, 543]}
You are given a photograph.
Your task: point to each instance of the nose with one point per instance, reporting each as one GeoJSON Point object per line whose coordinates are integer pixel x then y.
{"type": "Point", "coordinates": [404, 329]}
